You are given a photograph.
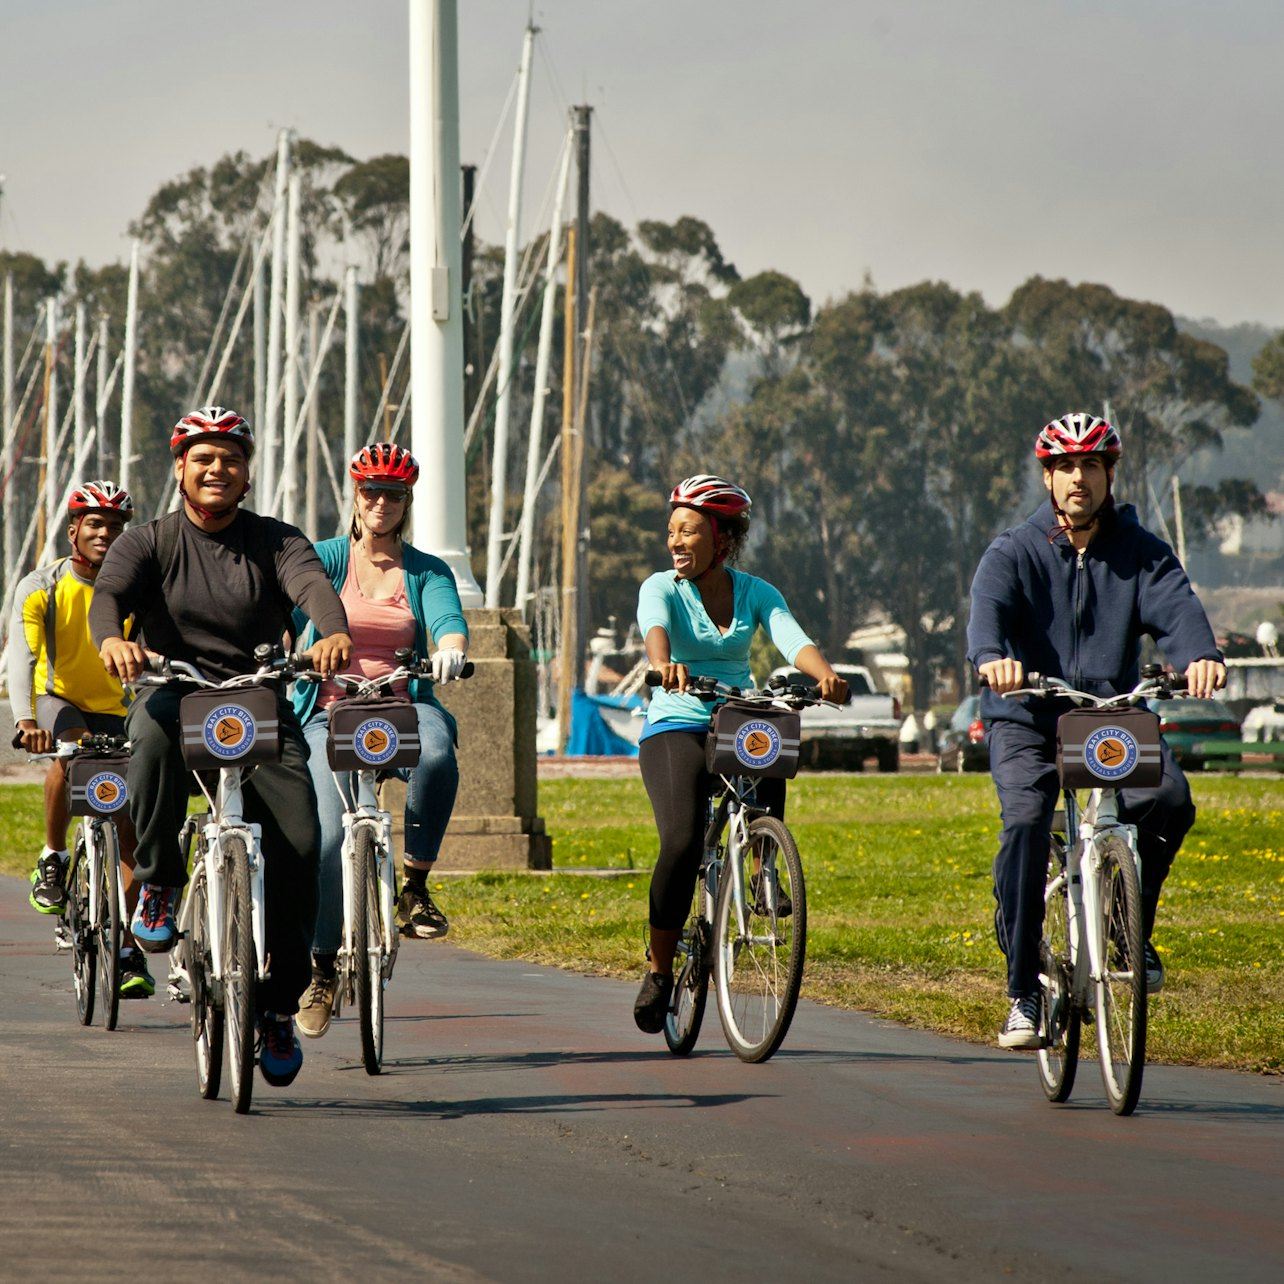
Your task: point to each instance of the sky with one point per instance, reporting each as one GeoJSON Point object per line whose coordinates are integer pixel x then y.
{"type": "Point", "coordinates": [979, 142]}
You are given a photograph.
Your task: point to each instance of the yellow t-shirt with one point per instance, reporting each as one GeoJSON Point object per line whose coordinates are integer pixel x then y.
{"type": "Point", "coordinates": [50, 650]}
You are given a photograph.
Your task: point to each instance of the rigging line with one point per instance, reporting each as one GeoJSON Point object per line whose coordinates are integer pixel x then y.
{"type": "Point", "coordinates": [524, 291]}
{"type": "Point", "coordinates": [234, 333]}
{"type": "Point", "coordinates": [246, 242]}
{"type": "Point", "coordinates": [511, 537]}
{"type": "Point", "coordinates": [323, 347]}
{"type": "Point", "coordinates": [600, 132]}
{"type": "Point", "coordinates": [387, 387]}
{"type": "Point", "coordinates": [36, 373]}
{"type": "Point", "coordinates": [489, 155]}
{"type": "Point", "coordinates": [494, 365]}
{"type": "Point", "coordinates": [558, 92]}
{"type": "Point", "coordinates": [36, 329]}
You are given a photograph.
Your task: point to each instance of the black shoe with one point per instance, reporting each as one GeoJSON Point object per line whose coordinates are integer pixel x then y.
{"type": "Point", "coordinates": [758, 899]}
{"type": "Point", "coordinates": [135, 981]}
{"type": "Point", "coordinates": [652, 1004]}
{"type": "Point", "coordinates": [418, 916]}
{"type": "Point", "coordinates": [1154, 970]}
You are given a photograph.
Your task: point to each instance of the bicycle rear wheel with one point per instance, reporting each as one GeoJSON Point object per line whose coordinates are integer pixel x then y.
{"type": "Point", "coordinates": [691, 986]}
{"type": "Point", "coordinates": [367, 949]}
{"type": "Point", "coordinates": [84, 956]}
{"type": "Point", "coordinates": [207, 1008]}
{"type": "Point", "coordinates": [758, 970]}
{"type": "Point", "coordinates": [1060, 1019]}
{"type": "Point", "coordinates": [1121, 989]}
{"type": "Point", "coordinates": [238, 972]}
{"type": "Point", "coordinates": [108, 928]}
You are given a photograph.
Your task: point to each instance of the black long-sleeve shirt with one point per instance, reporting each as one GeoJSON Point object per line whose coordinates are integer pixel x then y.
{"type": "Point", "coordinates": [217, 600]}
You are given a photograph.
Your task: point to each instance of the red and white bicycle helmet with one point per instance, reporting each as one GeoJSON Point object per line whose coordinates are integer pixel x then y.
{"type": "Point", "coordinates": [1078, 434]}
{"type": "Point", "coordinates": [711, 494]}
{"type": "Point", "coordinates": [211, 423]}
{"type": "Point", "coordinates": [384, 461]}
{"type": "Point", "coordinates": [100, 495]}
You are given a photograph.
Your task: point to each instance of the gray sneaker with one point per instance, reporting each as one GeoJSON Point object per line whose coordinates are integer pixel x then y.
{"type": "Point", "coordinates": [1021, 1029]}
{"type": "Point", "coordinates": [316, 1005]}
{"type": "Point", "coordinates": [418, 916]}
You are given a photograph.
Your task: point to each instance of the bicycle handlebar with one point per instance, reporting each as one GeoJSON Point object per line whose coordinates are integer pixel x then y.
{"type": "Point", "coordinates": [409, 666]}
{"type": "Point", "coordinates": [795, 695]}
{"type": "Point", "coordinates": [1160, 685]}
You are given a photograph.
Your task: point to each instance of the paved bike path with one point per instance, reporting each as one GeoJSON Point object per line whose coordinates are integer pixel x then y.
{"type": "Point", "coordinates": [524, 1130]}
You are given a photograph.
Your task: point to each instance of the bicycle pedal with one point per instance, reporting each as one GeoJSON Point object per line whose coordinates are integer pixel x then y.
{"type": "Point", "coordinates": [62, 939]}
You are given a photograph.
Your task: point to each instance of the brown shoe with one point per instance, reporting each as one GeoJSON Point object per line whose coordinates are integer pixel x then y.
{"type": "Point", "coordinates": [315, 1006]}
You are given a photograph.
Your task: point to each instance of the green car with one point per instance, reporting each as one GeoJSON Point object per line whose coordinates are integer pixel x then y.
{"type": "Point", "coordinates": [1186, 724]}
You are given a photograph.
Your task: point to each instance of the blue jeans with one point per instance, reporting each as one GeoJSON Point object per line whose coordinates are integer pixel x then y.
{"type": "Point", "coordinates": [430, 798]}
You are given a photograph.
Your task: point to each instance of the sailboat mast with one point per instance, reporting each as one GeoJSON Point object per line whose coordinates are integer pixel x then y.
{"type": "Point", "coordinates": [512, 249]}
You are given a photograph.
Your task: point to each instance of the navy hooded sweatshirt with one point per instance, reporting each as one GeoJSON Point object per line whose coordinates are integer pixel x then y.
{"type": "Point", "coordinates": [1081, 616]}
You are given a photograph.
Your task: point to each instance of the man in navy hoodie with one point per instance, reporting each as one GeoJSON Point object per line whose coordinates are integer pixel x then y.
{"type": "Point", "coordinates": [1070, 593]}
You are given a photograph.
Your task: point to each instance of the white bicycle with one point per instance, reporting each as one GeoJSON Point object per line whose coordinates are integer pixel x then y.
{"type": "Point", "coordinates": [92, 927]}
{"type": "Point", "coordinates": [221, 952]}
{"type": "Point", "coordinates": [1092, 956]}
{"type": "Point", "coordinates": [369, 733]}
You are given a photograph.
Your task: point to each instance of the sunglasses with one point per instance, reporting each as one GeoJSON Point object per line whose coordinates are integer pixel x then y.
{"type": "Point", "coordinates": [394, 494]}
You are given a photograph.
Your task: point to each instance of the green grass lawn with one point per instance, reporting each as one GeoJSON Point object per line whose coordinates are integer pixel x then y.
{"type": "Point", "coordinates": [900, 903]}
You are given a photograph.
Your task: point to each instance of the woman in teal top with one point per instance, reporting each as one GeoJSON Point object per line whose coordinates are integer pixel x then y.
{"type": "Point", "coordinates": [700, 618]}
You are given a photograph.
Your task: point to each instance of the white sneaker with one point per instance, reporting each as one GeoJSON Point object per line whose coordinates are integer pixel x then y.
{"type": "Point", "coordinates": [1021, 1029]}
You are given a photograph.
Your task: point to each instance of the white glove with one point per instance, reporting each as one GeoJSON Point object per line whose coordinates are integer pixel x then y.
{"type": "Point", "coordinates": [448, 664]}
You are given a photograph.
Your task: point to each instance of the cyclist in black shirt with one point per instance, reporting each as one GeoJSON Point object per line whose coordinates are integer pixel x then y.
{"type": "Point", "coordinates": [208, 591]}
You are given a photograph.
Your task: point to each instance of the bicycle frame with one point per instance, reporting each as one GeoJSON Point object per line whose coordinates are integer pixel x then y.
{"type": "Point", "coordinates": [364, 812]}
{"type": "Point", "coordinates": [225, 820]}
{"type": "Point", "coordinates": [1086, 829]}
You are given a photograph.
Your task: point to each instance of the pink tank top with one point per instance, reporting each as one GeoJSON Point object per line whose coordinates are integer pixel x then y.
{"type": "Point", "coordinates": [378, 629]}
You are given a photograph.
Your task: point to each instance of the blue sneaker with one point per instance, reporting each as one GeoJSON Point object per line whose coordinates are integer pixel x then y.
{"type": "Point", "coordinates": [280, 1053]}
{"type": "Point", "coordinates": [153, 923]}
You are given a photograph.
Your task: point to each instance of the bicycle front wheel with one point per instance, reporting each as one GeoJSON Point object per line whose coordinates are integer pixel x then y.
{"type": "Point", "coordinates": [1121, 988]}
{"type": "Point", "coordinates": [1060, 1019]}
{"type": "Point", "coordinates": [84, 956]}
{"type": "Point", "coordinates": [760, 946]}
{"type": "Point", "coordinates": [238, 972]}
{"type": "Point", "coordinates": [367, 949]}
{"type": "Point", "coordinates": [207, 1008]}
{"type": "Point", "coordinates": [108, 928]}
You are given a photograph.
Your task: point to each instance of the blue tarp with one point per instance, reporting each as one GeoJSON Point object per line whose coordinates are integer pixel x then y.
{"type": "Point", "coordinates": [590, 733]}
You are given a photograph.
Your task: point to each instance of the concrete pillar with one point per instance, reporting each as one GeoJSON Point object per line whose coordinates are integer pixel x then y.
{"type": "Point", "coordinates": [495, 824]}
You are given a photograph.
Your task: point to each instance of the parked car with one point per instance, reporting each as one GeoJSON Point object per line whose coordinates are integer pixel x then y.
{"type": "Point", "coordinates": [867, 726]}
{"type": "Point", "coordinates": [963, 745]}
{"type": "Point", "coordinates": [1186, 724]}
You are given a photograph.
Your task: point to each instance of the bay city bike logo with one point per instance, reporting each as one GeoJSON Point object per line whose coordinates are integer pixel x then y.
{"type": "Point", "coordinates": [229, 731]}
{"type": "Point", "coordinates": [107, 792]}
{"type": "Point", "coordinates": [757, 745]}
{"type": "Point", "coordinates": [1110, 753]}
{"type": "Point", "coordinates": [375, 741]}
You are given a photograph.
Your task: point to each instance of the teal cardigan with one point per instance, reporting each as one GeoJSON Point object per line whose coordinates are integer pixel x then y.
{"type": "Point", "coordinates": [434, 602]}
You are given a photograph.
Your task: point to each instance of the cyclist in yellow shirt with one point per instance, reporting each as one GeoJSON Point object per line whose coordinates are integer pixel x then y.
{"type": "Point", "coordinates": [59, 690]}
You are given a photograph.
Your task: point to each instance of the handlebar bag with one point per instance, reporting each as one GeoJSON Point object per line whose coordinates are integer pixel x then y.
{"type": "Point", "coordinates": [98, 786]}
{"type": "Point", "coordinates": [230, 728]}
{"type": "Point", "coordinates": [753, 740]}
{"type": "Point", "coordinates": [1109, 749]}
{"type": "Point", "coordinates": [368, 735]}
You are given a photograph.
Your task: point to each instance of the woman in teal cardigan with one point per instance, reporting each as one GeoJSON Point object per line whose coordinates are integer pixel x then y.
{"type": "Point", "coordinates": [395, 596]}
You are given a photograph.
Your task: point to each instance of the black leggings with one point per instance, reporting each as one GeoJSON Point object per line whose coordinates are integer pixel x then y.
{"type": "Point", "coordinates": [679, 787]}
